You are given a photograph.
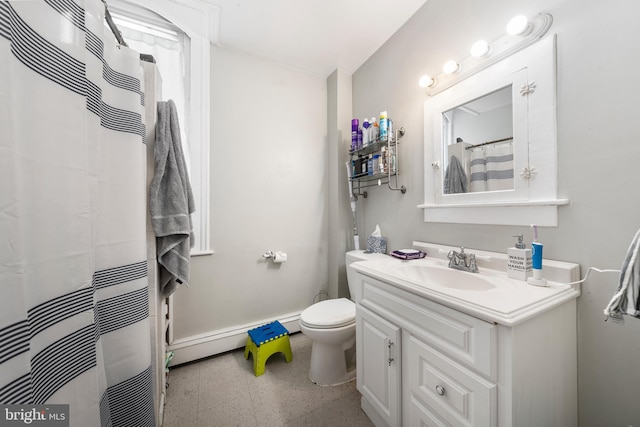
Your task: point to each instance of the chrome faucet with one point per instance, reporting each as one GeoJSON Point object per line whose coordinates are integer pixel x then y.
{"type": "Point", "coordinates": [462, 261]}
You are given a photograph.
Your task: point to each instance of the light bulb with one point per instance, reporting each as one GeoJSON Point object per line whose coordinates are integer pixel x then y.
{"type": "Point", "coordinates": [479, 48]}
{"type": "Point", "coordinates": [426, 81]}
{"type": "Point", "coordinates": [518, 25]}
{"type": "Point", "coordinates": [450, 67]}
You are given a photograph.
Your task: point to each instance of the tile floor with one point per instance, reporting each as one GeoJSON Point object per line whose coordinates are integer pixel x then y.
{"type": "Point", "coordinates": [222, 391]}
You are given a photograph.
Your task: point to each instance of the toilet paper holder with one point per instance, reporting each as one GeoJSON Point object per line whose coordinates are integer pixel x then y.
{"type": "Point", "coordinates": [276, 257]}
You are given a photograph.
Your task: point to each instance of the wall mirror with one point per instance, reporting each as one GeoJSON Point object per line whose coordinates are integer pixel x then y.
{"type": "Point", "coordinates": [477, 143]}
{"type": "Point", "coordinates": [490, 144]}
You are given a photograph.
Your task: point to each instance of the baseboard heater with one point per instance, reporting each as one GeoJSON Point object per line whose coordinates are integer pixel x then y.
{"type": "Point", "coordinates": [222, 340]}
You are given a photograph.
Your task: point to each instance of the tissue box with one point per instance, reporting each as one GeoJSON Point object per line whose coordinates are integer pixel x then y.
{"type": "Point", "coordinates": [376, 245]}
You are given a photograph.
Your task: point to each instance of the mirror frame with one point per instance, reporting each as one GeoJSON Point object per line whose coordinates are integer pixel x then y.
{"type": "Point", "coordinates": [532, 72]}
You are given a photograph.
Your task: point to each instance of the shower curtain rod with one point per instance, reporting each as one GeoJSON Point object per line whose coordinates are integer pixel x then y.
{"type": "Point", "coordinates": [489, 142]}
{"type": "Point", "coordinates": [112, 26]}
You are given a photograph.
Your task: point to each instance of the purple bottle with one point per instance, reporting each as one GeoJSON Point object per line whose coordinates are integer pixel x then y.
{"type": "Point", "coordinates": [355, 123]}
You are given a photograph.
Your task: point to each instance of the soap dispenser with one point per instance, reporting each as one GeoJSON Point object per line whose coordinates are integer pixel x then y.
{"type": "Point", "coordinates": [519, 260]}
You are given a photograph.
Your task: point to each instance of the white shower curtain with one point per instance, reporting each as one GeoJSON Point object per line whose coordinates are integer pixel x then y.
{"type": "Point", "coordinates": [491, 168]}
{"type": "Point", "coordinates": [74, 325]}
{"type": "Point", "coordinates": [478, 175]}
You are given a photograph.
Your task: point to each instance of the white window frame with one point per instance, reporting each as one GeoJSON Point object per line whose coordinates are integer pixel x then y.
{"type": "Point", "coordinates": [200, 21]}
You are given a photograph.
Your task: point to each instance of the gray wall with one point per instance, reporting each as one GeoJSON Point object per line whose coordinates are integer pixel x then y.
{"type": "Point", "coordinates": [340, 217]}
{"type": "Point", "coordinates": [268, 192]}
{"type": "Point", "coordinates": [598, 155]}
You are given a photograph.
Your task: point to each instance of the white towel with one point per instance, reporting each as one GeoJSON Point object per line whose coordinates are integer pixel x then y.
{"type": "Point", "coordinates": [627, 297]}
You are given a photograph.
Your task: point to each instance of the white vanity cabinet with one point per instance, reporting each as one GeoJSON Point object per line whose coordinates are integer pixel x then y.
{"type": "Point", "coordinates": [378, 374]}
{"type": "Point", "coordinates": [421, 363]}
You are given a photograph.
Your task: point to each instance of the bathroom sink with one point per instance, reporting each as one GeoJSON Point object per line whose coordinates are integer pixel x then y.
{"type": "Point", "coordinates": [436, 275]}
{"type": "Point", "coordinates": [489, 295]}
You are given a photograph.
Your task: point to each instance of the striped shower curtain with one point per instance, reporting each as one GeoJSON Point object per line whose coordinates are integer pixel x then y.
{"type": "Point", "coordinates": [491, 168]}
{"type": "Point", "coordinates": [74, 326]}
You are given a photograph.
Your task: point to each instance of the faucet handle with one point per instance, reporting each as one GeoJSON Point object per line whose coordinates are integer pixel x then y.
{"type": "Point", "coordinates": [473, 267]}
{"type": "Point", "coordinates": [461, 250]}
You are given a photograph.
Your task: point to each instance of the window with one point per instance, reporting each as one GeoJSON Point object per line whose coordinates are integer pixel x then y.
{"type": "Point", "coordinates": [183, 31]}
{"type": "Point", "coordinates": [169, 47]}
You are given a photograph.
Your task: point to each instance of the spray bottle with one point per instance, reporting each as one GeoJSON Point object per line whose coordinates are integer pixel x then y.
{"type": "Point", "coordinates": [383, 126]}
{"type": "Point", "coordinates": [354, 134]}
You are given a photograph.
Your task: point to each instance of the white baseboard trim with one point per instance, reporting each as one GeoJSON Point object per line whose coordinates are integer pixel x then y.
{"type": "Point", "coordinates": [219, 341]}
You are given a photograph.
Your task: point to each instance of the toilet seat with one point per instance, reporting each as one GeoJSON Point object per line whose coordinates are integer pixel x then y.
{"type": "Point", "coordinates": [329, 314]}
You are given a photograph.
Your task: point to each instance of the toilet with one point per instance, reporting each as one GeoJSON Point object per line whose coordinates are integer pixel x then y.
{"type": "Point", "coordinates": [331, 326]}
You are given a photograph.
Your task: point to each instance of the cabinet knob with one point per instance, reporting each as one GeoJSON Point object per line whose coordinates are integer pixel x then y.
{"type": "Point", "coordinates": [440, 390]}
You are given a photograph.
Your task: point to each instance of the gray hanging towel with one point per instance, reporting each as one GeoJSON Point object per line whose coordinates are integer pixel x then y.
{"type": "Point", "coordinates": [171, 202]}
{"type": "Point", "coordinates": [455, 180]}
{"type": "Point", "coordinates": [626, 300]}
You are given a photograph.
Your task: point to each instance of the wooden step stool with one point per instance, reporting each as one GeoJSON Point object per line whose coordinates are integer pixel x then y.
{"type": "Point", "coordinates": [264, 341]}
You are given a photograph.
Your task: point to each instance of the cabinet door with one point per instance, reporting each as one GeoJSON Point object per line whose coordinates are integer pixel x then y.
{"type": "Point", "coordinates": [441, 392]}
{"type": "Point", "coordinates": [378, 364]}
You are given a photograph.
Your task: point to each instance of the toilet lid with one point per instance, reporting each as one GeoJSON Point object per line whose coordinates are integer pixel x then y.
{"type": "Point", "coordinates": [330, 313]}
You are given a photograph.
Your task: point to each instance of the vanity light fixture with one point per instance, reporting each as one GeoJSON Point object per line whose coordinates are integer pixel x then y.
{"type": "Point", "coordinates": [480, 48]}
{"type": "Point", "coordinates": [426, 81]}
{"type": "Point", "coordinates": [519, 26]}
{"type": "Point", "coordinates": [450, 67]}
{"type": "Point", "coordinates": [484, 54]}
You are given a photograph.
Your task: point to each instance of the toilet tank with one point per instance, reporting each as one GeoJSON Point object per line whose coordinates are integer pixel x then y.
{"type": "Point", "coordinates": [355, 256]}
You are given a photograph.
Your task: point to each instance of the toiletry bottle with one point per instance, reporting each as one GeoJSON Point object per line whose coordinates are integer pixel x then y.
{"type": "Point", "coordinates": [519, 260]}
{"type": "Point", "coordinates": [376, 163]}
{"type": "Point", "coordinates": [360, 145]}
{"type": "Point", "coordinates": [370, 165]}
{"type": "Point", "coordinates": [390, 130]}
{"type": "Point", "coordinates": [375, 130]}
{"type": "Point", "coordinates": [536, 260]}
{"type": "Point", "coordinates": [383, 126]}
{"type": "Point", "coordinates": [365, 132]}
{"type": "Point", "coordinates": [354, 134]}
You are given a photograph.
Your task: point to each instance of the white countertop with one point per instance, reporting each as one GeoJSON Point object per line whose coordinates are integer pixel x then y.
{"type": "Point", "coordinates": [489, 294]}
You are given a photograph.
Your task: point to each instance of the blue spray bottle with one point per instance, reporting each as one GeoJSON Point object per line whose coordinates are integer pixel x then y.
{"type": "Point", "coordinates": [536, 261]}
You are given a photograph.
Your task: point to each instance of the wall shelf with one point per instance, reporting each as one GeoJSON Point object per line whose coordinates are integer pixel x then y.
{"type": "Point", "coordinates": [384, 171]}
